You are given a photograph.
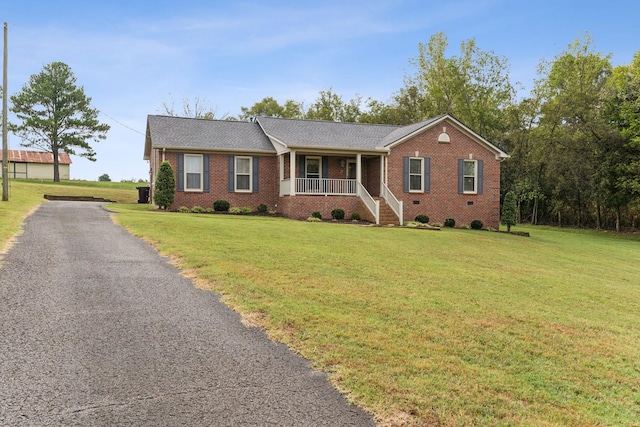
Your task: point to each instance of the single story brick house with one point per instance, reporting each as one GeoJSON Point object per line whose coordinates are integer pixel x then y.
{"type": "Point", "coordinates": [36, 164]}
{"type": "Point", "coordinates": [386, 173]}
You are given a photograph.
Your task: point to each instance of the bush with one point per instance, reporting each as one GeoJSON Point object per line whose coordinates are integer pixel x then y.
{"type": "Point", "coordinates": [436, 224]}
{"type": "Point", "coordinates": [198, 209]}
{"type": "Point", "coordinates": [165, 187]}
{"type": "Point", "coordinates": [184, 209]}
{"type": "Point", "coordinates": [509, 211]}
{"type": "Point", "coordinates": [316, 215]}
{"type": "Point", "coordinates": [355, 216]}
{"type": "Point", "coordinates": [337, 214]}
{"type": "Point", "coordinates": [449, 222]}
{"type": "Point", "coordinates": [209, 210]}
{"type": "Point", "coordinates": [245, 210]}
{"type": "Point", "coordinates": [234, 210]}
{"type": "Point", "coordinates": [262, 207]}
{"type": "Point", "coordinates": [464, 227]}
{"type": "Point", "coordinates": [313, 219]}
{"type": "Point", "coordinates": [476, 224]}
{"type": "Point", "coordinates": [221, 206]}
{"type": "Point", "coordinates": [422, 219]}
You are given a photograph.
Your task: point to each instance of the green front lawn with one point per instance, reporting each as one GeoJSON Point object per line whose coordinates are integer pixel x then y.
{"type": "Point", "coordinates": [457, 327]}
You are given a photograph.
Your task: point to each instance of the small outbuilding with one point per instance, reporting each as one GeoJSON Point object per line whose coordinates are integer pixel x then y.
{"type": "Point", "coordinates": [27, 164]}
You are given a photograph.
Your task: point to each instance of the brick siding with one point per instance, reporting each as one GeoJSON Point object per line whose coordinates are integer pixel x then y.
{"type": "Point", "coordinates": [442, 202]}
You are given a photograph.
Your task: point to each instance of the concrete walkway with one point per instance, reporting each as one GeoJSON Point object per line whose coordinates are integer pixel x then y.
{"type": "Point", "coordinates": [98, 330]}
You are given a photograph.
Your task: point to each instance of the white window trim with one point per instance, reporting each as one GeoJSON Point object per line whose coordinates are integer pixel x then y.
{"type": "Point", "coordinates": [186, 182]}
{"type": "Point", "coordinates": [475, 177]}
{"type": "Point", "coordinates": [421, 189]}
{"type": "Point", "coordinates": [306, 162]}
{"type": "Point", "coordinates": [236, 174]}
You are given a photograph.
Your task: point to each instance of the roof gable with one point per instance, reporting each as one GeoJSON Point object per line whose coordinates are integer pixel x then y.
{"type": "Point", "coordinates": [410, 131]}
{"type": "Point", "coordinates": [27, 156]}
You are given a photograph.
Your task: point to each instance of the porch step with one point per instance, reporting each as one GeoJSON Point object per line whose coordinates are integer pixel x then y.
{"type": "Point", "coordinates": [387, 216]}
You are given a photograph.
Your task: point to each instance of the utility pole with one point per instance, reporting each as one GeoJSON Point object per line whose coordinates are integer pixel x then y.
{"type": "Point", "coordinates": [5, 137]}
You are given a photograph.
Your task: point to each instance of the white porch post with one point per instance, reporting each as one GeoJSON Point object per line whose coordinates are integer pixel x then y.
{"type": "Point", "coordinates": [292, 172]}
{"type": "Point", "coordinates": [382, 177]}
{"type": "Point", "coordinates": [281, 160]}
{"type": "Point", "coordinates": [359, 168]}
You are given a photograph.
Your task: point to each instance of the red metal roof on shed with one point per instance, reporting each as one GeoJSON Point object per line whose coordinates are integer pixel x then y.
{"type": "Point", "coordinates": [24, 156]}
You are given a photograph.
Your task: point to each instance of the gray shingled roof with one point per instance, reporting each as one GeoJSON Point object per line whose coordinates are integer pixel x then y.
{"type": "Point", "coordinates": [181, 132]}
{"type": "Point", "coordinates": [324, 134]}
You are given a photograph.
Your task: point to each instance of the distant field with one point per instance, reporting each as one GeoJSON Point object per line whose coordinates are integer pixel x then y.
{"type": "Point", "coordinates": [451, 327]}
{"type": "Point", "coordinates": [24, 195]}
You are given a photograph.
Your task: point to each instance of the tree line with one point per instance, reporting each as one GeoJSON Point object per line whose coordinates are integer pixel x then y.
{"type": "Point", "coordinates": [574, 140]}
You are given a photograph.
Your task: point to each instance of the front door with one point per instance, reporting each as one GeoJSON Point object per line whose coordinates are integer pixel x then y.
{"type": "Point", "coordinates": [351, 169]}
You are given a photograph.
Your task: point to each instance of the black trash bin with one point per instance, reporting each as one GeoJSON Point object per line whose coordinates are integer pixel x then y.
{"type": "Point", "coordinates": [143, 194]}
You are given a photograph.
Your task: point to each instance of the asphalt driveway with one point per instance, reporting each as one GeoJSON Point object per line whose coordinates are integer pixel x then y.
{"type": "Point", "coordinates": [98, 329]}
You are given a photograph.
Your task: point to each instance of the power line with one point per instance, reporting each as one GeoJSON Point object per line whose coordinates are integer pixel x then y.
{"type": "Point", "coordinates": [120, 123]}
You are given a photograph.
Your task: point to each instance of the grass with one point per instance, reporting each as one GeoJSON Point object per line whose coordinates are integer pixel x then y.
{"type": "Point", "coordinates": [451, 327]}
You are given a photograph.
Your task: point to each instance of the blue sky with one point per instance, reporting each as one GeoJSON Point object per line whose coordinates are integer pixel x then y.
{"type": "Point", "coordinates": [131, 56]}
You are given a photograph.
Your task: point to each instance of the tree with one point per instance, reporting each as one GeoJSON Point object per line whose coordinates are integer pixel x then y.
{"type": "Point", "coordinates": [56, 115]}
{"type": "Point", "coordinates": [474, 87]}
{"type": "Point", "coordinates": [330, 106]}
{"type": "Point", "coordinates": [197, 109]}
{"type": "Point", "coordinates": [269, 107]}
{"type": "Point", "coordinates": [104, 178]}
{"type": "Point", "coordinates": [165, 187]}
{"type": "Point", "coordinates": [509, 211]}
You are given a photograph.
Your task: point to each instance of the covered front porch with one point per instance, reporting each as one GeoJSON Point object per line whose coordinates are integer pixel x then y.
{"type": "Point", "coordinates": [357, 175]}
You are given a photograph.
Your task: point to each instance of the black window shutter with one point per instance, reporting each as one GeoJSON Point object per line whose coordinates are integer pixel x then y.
{"type": "Point", "coordinates": [325, 167]}
{"type": "Point", "coordinates": [405, 174]}
{"type": "Point", "coordinates": [232, 186]}
{"type": "Point", "coordinates": [205, 171]}
{"type": "Point", "coordinates": [302, 167]}
{"type": "Point", "coordinates": [460, 176]}
{"type": "Point", "coordinates": [480, 175]}
{"type": "Point", "coordinates": [180, 176]}
{"type": "Point", "coordinates": [427, 174]}
{"type": "Point", "coordinates": [256, 180]}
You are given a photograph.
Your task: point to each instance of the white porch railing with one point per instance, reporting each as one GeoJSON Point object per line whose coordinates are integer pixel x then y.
{"type": "Point", "coordinates": [326, 186]}
{"type": "Point", "coordinates": [372, 204]}
{"type": "Point", "coordinates": [396, 205]}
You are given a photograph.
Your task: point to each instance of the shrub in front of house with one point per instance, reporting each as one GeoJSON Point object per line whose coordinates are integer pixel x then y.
{"type": "Point", "coordinates": [449, 222]}
{"type": "Point", "coordinates": [246, 210]}
{"type": "Point", "coordinates": [464, 227]}
{"type": "Point", "coordinates": [198, 209]}
{"type": "Point", "coordinates": [165, 186]}
{"type": "Point", "coordinates": [476, 224]}
{"type": "Point", "coordinates": [221, 206]}
{"type": "Point", "coordinates": [262, 207]}
{"type": "Point", "coordinates": [316, 214]}
{"type": "Point", "coordinates": [234, 210]}
{"type": "Point", "coordinates": [423, 219]}
{"type": "Point", "coordinates": [184, 209]}
{"type": "Point", "coordinates": [313, 219]}
{"type": "Point", "coordinates": [337, 213]}
{"type": "Point", "coordinates": [355, 216]}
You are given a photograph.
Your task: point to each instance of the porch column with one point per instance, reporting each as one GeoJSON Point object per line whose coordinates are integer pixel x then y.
{"type": "Point", "coordinates": [359, 168]}
{"type": "Point", "coordinates": [292, 172]}
{"type": "Point", "coordinates": [281, 160]}
{"type": "Point", "coordinates": [381, 174]}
